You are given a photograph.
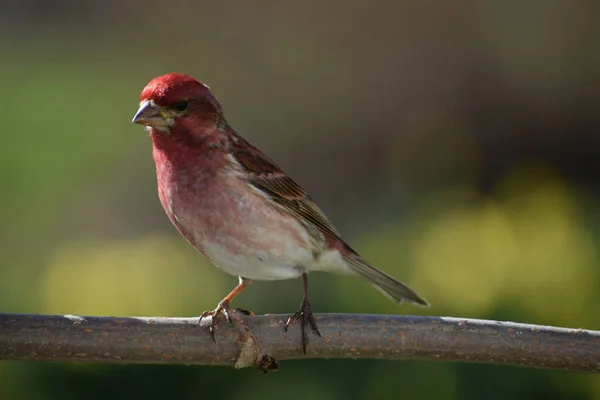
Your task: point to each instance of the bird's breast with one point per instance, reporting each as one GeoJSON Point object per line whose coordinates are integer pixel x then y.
{"type": "Point", "coordinates": [242, 232]}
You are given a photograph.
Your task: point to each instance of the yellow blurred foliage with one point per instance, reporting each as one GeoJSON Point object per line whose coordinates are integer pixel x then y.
{"type": "Point", "coordinates": [464, 257]}
{"type": "Point", "coordinates": [528, 249]}
{"type": "Point", "coordinates": [556, 273]}
{"type": "Point", "coordinates": [531, 248]}
{"type": "Point", "coordinates": [155, 275]}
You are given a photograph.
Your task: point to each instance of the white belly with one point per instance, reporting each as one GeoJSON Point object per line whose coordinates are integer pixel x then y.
{"type": "Point", "coordinates": [260, 265]}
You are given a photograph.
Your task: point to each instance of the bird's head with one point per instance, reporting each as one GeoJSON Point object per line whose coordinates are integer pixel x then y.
{"type": "Point", "coordinates": [178, 105]}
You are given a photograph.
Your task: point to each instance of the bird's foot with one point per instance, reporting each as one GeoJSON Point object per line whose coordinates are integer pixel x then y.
{"type": "Point", "coordinates": [222, 308]}
{"type": "Point", "coordinates": [306, 317]}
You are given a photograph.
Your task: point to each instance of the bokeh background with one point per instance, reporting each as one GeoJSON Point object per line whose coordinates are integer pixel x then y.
{"type": "Point", "coordinates": [455, 144]}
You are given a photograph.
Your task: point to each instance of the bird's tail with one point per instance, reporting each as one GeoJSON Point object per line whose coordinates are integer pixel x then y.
{"type": "Point", "coordinates": [387, 284]}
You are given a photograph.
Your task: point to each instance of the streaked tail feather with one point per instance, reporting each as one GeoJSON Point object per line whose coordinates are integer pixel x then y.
{"type": "Point", "coordinates": [387, 284]}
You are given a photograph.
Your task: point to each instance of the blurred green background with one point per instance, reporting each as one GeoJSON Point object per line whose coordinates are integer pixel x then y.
{"type": "Point", "coordinates": [455, 144]}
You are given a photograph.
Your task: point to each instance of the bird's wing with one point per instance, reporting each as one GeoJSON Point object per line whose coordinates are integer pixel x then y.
{"type": "Point", "coordinates": [262, 173]}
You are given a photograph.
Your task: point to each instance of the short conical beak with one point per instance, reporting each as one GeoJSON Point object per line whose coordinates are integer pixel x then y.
{"type": "Point", "coordinates": [149, 114]}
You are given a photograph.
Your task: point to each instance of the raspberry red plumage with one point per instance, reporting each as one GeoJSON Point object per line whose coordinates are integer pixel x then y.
{"type": "Point", "coordinates": [234, 204]}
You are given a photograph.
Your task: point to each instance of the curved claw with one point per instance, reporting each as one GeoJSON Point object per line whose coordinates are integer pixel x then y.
{"type": "Point", "coordinates": [222, 308]}
{"type": "Point", "coordinates": [306, 317]}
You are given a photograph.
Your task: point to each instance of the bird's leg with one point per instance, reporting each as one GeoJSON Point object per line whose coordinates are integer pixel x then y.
{"type": "Point", "coordinates": [305, 315]}
{"type": "Point", "coordinates": [223, 307]}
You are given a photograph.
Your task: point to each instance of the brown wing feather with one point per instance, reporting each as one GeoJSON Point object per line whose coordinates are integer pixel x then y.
{"type": "Point", "coordinates": [265, 175]}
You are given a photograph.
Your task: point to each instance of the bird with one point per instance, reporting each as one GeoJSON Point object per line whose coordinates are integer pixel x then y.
{"type": "Point", "coordinates": [237, 207]}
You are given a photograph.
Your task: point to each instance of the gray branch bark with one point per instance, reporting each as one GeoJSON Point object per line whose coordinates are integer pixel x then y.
{"type": "Point", "coordinates": [259, 341]}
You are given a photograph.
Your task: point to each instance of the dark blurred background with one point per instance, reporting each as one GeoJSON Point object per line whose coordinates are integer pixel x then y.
{"type": "Point", "coordinates": [455, 144]}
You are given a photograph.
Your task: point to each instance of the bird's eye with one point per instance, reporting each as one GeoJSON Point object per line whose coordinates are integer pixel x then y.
{"type": "Point", "coordinates": [180, 105]}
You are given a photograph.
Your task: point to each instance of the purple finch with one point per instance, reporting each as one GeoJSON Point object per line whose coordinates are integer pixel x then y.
{"type": "Point", "coordinates": [236, 206]}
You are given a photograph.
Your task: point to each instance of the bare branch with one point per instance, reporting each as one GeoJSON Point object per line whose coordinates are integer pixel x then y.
{"type": "Point", "coordinates": [259, 340]}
